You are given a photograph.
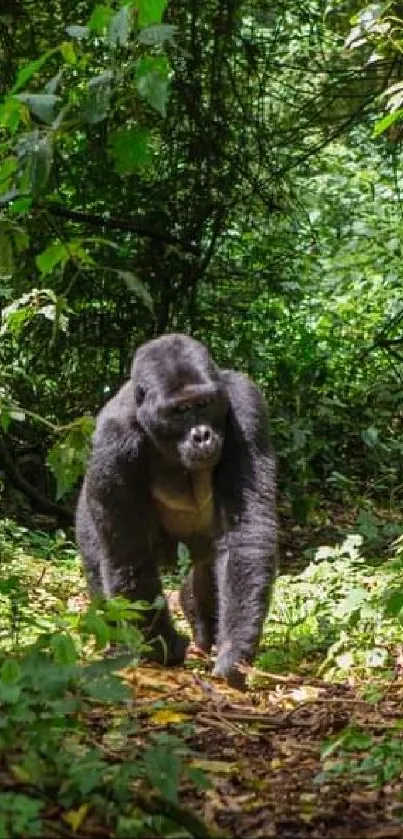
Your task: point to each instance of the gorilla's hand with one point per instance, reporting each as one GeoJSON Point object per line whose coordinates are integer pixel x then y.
{"type": "Point", "coordinates": [227, 667]}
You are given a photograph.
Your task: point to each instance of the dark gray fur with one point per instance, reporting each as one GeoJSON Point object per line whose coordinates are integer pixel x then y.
{"type": "Point", "coordinates": [142, 449]}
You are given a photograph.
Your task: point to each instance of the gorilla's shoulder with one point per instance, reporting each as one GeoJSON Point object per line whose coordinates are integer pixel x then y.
{"type": "Point", "coordinates": [242, 390]}
{"type": "Point", "coordinates": [249, 408]}
{"type": "Point", "coordinates": [118, 414]}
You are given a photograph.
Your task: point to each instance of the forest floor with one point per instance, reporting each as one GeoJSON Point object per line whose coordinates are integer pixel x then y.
{"type": "Point", "coordinates": [305, 751]}
{"type": "Point", "coordinates": [262, 752]}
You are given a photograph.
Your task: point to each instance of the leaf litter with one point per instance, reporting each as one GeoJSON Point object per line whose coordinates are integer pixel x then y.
{"type": "Point", "coordinates": [262, 752]}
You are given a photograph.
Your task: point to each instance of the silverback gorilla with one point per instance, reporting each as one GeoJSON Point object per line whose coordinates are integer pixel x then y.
{"type": "Point", "coordinates": [182, 453]}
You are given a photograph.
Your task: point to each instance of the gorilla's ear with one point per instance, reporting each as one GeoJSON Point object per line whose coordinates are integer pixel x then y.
{"type": "Point", "coordinates": [139, 395]}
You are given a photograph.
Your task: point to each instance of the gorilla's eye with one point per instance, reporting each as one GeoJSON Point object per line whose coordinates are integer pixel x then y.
{"type": "Point", "coordinates": [182, 408]}
{"type": "Point", "coordinates": [140, 394]}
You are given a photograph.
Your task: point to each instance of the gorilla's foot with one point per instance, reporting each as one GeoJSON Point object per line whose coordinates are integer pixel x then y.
{"type": "Point", "coordinates": [168, 651]}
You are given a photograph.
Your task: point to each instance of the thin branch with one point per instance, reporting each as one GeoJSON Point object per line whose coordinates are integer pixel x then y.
{"type": "Point", "coordinates": [115, 223]}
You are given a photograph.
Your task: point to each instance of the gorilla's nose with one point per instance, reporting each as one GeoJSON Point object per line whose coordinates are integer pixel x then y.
{"type": "Point", "coordinates": [201, 436]}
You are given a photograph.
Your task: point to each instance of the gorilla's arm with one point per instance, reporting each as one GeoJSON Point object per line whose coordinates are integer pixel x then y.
{"type": "Point", "coordinates": [113, 492]}
{"type": "Point", "coordinates": [246, 557]}
{"type": "Point", "coordinates": [114, 524]}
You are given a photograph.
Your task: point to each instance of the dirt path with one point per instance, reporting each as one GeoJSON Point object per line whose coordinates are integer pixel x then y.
{"type": "Point", "coordinates": [261, 751]}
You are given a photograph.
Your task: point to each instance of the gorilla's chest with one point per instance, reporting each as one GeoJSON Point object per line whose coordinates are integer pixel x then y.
{"type": "Point", "coordinates": [184, 504]}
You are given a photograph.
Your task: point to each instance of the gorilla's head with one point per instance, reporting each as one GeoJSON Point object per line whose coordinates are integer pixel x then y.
{"type": "Point", "coordinates": [181, 402]}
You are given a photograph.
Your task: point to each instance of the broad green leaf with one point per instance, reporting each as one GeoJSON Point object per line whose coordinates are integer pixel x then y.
{"type": "Point", "coordinates": [163, 770]}
{"type": "Point", "coordinates": [10, 671]}
{"type": "Point", "coordinates": [68, 457]}
{"type": "Point", "coordinates": [394, 604]}
{"type": "Point", "coordinates": [77, 32]}
{"type": "Point", "coordinates": [55, 254]}
{"type": "Point", "coordinates": [150, 11]}
{"type": "Point", "coordinates": [40, 104]}
{"type": "Point", "coordinates": [120, 27]}
{"type": "Point", "coordinates": [370, 436]}
{"type": "Point", "coordinates": [9, 693]}
{"type": "Point", "coordinates": [68, 52]}
{"type": "Point", "coordinates": [26, 73]}
{"type": "Point", "coordinates": [7, 167]}
{"type": "Point", "coordinates": [382, 124]}
{"type": "Point", "coordinates": [198, 777]}
{"type": "Point", "coordinates": [154, 36]}
{"type": "Point", "coordinates": [152, 82]}
{"type": "Point", "coordinates": [130, 149]}
{"type": "Point", "coordinates": [100, 19]}
{"type": "Point", "coordinates": [105, 666]}
{"type": "Point", "coordinates": [96, 106]}
{"type": "Point", "coordinates": [40, 165]}
{"type": "Point", "coordinates": [14, 321]}
{"type": "Point", "coordinates": [107, 689]}
{"type": "Point", "coordinates": [65, 465]}
{"type": "Point", "coordinates": [20, 206]}
{"type": "Point", "coordinates": [11, 114]}
{"type": "Point", "coordinates": [64, 649]}
{"type": "Point", "coordinates": [368, 524]}
{"type": "Point", "coordinates": [52, 84]}
{"type": "Point", "coordinates": [95, 625]}
{"type": "Point", "coordinates": [36, 153]}
{"type": "Point", "coordinates": [137, 287]}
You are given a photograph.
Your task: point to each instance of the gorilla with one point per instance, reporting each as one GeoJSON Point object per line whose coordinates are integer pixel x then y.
{"type": "Point", "coordinates": [182, 454]}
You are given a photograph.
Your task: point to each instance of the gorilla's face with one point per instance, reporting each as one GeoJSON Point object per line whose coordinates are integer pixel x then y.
{"type": "Point", "coordinates": [181, 402]}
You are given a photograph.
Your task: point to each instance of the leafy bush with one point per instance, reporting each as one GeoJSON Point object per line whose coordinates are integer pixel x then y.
{"type": "Point", "coordinates": [340, 616]}
{"type": "Point", "coordinates": [56, 685]}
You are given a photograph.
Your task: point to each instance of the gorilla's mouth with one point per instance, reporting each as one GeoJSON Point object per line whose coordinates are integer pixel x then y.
{"type": "Point", "coordinates": [196, 461]}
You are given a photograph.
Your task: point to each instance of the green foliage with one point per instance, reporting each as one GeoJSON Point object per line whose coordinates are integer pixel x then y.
{"type": "Point", "coordinates": [152, 82]}
{"type": "Point", "coordinates": [375, 761]}
{"type": "Point", "coordinates": [150, 11]}
{"type": "Point", "coordinates": [339, 616]}
{"type": "Point", "coordinates": [53, 684]}
{"type": "Point", "coordinates": [97, 102]}
{"type": "Point", "coordinates": [262, 222]}
{"type": "Point", "coordinates": [163, 769]}
{"type": "Point", "coordinates": [130, 149]}
{"type": "Point", "coordinates": [378, 32]}
{"type": "Point", "coordinates": [20, 815]}
{"type": "Point", "coordinates": [68, 457]}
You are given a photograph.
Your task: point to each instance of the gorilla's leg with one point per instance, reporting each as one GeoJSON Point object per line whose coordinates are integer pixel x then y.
{"type": "Point", "coordinates": [245, 572]}
{"type": "Point", "coordinates": [120, 561]}
{"type": "Point", "coordinates": [198, 601]}
{"type": "Point", "coordinates": [91, 548]}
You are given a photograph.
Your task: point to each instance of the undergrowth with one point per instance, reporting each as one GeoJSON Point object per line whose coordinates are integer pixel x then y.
{"type": "Point", "coordinates": [341, 619]}
{"type": "Point", "coordinates": [72, 747]}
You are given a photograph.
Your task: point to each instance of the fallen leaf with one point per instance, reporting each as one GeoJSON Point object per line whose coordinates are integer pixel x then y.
{"type": "Point", "coordinates": [75, 818]}
{"type": "Point", "coordinates": [216, 767]}
{"type": "Point", "coordinates": [164, 716]}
